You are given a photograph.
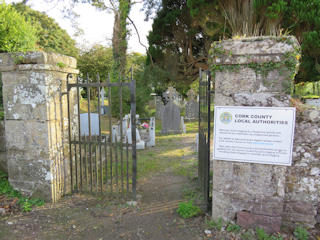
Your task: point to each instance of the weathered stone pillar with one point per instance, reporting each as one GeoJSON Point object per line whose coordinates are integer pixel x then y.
{"type": "Point", "coordinates": [36, 121]}
{"type": "Point", "coordinates": [252, 72]}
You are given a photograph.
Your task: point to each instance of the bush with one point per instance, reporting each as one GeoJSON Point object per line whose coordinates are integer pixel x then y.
{"type": "Point", "coordinates": [188, 209]}
{"type": "Point", "coordinates": [301, 233]}
{"type": "Point", "coordinates": [16, 34]}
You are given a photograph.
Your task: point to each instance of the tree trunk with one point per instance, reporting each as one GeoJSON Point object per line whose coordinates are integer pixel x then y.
{"type": "Point", "coordinates": [119, 39]}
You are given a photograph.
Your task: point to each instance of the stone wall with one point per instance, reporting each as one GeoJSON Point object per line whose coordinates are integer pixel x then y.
{"type": "Point", "coordinates": [260, 72]}
{"type": "Point", "coordinates": [36, 121]}
{"type": "Point", "coordinates": [3, 155]}
{"type": "Point", "coordinates": [302, 191]}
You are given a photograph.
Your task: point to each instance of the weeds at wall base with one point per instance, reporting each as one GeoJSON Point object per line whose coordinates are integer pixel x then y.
{"type": "Point", "coordinates": [25, 203]}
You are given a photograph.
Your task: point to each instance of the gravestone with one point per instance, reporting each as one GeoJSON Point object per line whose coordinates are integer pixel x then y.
{"type": "Point", "coordinates": [115, 133]}
{"type": "Point", "coordinates": [183, 126]}
{"type": "Point", "coordinates": [171, 116]}
{"type": "Point", "coordinates": [140, 143]}
{"type": "Point", "coordinates": [84, 124]}
{"type": "Point", "coordinates": [159, 107]}
{"type": "Point", "coordinates": [152, 133]}
{"type": "Point", "coordinates": [192, 106]}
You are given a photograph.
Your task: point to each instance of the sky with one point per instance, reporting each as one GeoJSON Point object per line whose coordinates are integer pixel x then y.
{"type": "Point", "coordinates": [96, 25]}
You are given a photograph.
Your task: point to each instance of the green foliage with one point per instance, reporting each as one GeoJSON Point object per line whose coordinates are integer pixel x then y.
{"type": "Point", "coordinates": [177, 48]}
{"type": "Point", "coordinates": [97, 59]}
{"type": "Point", "coordinates": [247, 236]}
{"type": "Point", "coordinates": [262, 235]}
{"type": "Point", "coordinates": [16, 33]}
{"type": "Point", "coordinates": [301, 233]}
{"type": "Point", "coordinates": [25, 203]}
{"type": "Point", "coordinates": [51, 37]}
{"type": "Point", "coordinates": [61, 65]}
{"type": "Point", "coordinates": [215, 224]}
{"type": "Point", "coordinates": [233, 228]}
{"type": "Point", "coordinates": [188, 209]}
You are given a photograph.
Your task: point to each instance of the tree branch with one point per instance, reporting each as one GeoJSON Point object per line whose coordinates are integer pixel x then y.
{"type": "Point", "coordinates": [140, 40]}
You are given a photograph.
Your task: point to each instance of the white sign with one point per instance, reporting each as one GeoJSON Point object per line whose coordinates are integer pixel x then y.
{"type": "Point", "coordinates": [254, 134]}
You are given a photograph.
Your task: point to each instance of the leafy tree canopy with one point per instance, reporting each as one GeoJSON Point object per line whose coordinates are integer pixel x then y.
{"type": "Point", "coordinates": [97, 59]}
{"type": "Point", "coordinates": [183, 30]}
{"type": "Point", "coordinates": [177, 46]}
{"type": "Point", "coordinates": [51, 37]}
{"type": "Point", "coordinates": [16, 33]}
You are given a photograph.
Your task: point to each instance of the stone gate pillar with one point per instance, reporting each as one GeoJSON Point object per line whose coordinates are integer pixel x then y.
{"type": "Point", "coordinates": [252, 72]}
{"type": "Point", "coordinates": [36, 121]}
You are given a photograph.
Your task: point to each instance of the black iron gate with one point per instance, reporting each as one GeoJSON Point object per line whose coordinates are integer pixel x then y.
{"type": "Point", "coordinates": [204, 135]}
{"type": "Point", "coordinates": [100, 161]}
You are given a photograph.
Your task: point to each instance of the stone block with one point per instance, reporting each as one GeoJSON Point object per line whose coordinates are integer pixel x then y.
{"type": "Point", "coordinates": [22, 135]}
{"type": "Point", "coordinates": [223, 100]}
{"type": "Point", "coordinates": [226, 205]}
{"type": "Point", "coordinates": [300, 212]}
{"type": "Point", "coordinates": [261, 99]}
{"type": "Point", "coordinates": [255, 49]}
{"type": "Point", "coordinates": [270, 224]}
{"type": "Point", "coordinates": [243, 80]}
{"type": "Point", "coordinates": [8, 62]}
{"type": "Point", "coordinates": [246, 178]}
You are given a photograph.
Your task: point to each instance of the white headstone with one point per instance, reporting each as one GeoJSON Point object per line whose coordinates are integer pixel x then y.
{"type": "Point", "coordinates": [115, 133]}
{"type": "Point", "coordinates": [139, 143]}
{"type": "Point", "coordinates": [84, 124]}
{"type": "Point", "coordinates": [152, 133]}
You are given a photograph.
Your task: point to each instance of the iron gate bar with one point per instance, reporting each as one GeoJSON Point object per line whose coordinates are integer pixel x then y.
{"type": "Point", "coordinates": [69, 130]}
{"type": "Point", "coordinates": [103, 84]}
{"type": "Point", "coordinates": [89, 130]}
{"type": "Point", "coordinates": [204, 135]}
{"type": "Point", "coordinates": [209, 138]}
{"type": "Point", "coordinates": [133, 133]}
{"type": "Point", "coordinates": [79, 132]}
{"type": "Point", "coordinates": [76, 165]}
{"type": "Point", "coordinates": [127, 157]}
{"type": "Point", "coordinates": [121, 132]}
{"type": "Point", "coordinates": [116, 158]}
{"type": "Point", "coordinates": [106, 164]}
{"type": "Point", "coordinates": [85, 160]}
{"type": "Point", "coordinates": [110, 129]}
{"type": "Point", "coordinates": [99, 114]}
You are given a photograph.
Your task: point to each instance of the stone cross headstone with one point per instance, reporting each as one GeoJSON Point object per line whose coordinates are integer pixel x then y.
{"type": "Point", "coordinates": [102, 93]}
{"type": "Point", "coordinates": [84, 124]}
{"type": "Point", "coordinates": [192, 106]}
{"type": "Point", "coordinates": [171, 116]}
